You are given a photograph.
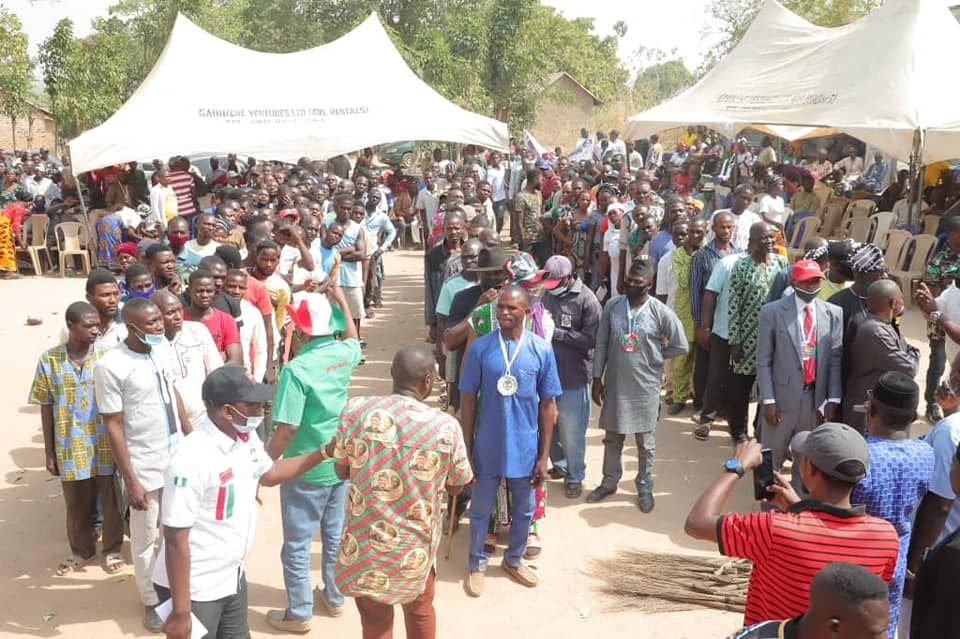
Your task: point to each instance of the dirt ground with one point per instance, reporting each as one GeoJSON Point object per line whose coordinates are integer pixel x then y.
{"type": "Point", "coordinates": [567, 603]}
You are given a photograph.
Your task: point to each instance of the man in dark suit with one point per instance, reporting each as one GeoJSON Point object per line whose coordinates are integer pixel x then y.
{"type": "Point", "coordinates": [877, 348]}
{"type": "Point", "coordinates": [799, 352]}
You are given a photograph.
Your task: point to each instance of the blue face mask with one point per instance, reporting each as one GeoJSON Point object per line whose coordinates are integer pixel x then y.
{"type": "Point", "coordinates": [149, 339]}
{"type": "Point", "coordinates": [143, 294]}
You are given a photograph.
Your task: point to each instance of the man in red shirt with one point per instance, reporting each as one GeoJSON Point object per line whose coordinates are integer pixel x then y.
{"type": "Point", "coordinates": [256, 293]}
{"type": "Point", "coordinates": [222, 327]}
{"type": "Point", "coordinates": [789, 547]}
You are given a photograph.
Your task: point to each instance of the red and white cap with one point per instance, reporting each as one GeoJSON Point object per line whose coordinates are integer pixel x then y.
{"type": "Point", "coordinates": [313, 314]}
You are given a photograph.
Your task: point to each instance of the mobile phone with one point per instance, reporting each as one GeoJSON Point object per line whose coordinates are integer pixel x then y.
{"type": "Point", "coordinates": [763, 475]}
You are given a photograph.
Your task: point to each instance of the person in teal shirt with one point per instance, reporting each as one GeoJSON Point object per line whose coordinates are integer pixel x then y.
{"type": "Point", "coordinates": [311, 393]}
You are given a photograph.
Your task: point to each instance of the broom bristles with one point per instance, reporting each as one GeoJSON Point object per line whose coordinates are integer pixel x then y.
{"type": "Point", "coordinates": [659, 582]}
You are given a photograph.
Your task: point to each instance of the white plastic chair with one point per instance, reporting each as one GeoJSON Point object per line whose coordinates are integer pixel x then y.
{"type": "Point", "coordinates": [36, 226]}
{"type": "Point", "coordinates": [894, 253]}
{"type": "Point", "coordinates": [804, 229]}
{"type": "Point", "coordinates": [920, 250]}
{"type": "Point", "coordinates": [72, 239]}
{"type": "Point", "coordinates": [881, 223]}
{"type": "Point", "coordinates": [858, 228]}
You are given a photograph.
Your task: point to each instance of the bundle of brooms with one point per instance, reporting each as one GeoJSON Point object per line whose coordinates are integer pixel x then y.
{"type": "Point", "coordinates": [660, 582]}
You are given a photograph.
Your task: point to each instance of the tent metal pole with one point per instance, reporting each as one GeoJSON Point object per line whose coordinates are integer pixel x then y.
{"type": "Point", "coordinates": [916, 185]}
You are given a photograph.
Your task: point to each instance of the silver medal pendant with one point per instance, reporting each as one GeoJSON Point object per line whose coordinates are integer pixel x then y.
{"type": "Point", "coordinates": [507, 385]}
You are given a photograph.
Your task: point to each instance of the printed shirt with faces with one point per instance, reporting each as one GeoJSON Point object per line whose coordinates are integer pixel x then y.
{"type": "Point", "coordinates": [401, 453]}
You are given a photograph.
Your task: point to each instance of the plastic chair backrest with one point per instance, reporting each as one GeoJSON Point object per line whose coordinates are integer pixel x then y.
{"type": "Point", "coordinates": [69, 233]}
{"type": "Point", "coordinates": [931, 222]}
{"type": "Point", "coordinates": [882, 222]}
{"type": "Point", "coordinates": [923, 246]}
{"type": "Point", "coordinates": [896, 240]}
{"type": "Point", "coordinates": [858, 228]}
{"type": "Point", "coordinates": [863, 208]}
{"type": "Point", "coordinates": [832, 216]}
{"type": "Point", "coordinates": [36, 226]}
{"type": "Point", "coordinates": [806, 227]}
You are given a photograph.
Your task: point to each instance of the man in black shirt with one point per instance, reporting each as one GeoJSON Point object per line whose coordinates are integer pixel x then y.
{"type": "Point", "coordinates": [846, 602]}
{"type": "Point", "coordinates": [454, 233]}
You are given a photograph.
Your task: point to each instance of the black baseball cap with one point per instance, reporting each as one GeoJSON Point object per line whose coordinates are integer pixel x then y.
{"type": "Point", "coordinates": [230, 384]}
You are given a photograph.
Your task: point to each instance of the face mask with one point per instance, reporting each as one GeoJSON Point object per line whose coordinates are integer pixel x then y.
{"type": "Point", "coordinates": [149, 339]}
{"type": "Point", "coordinates": [177, 240]}
{"type": "Point", "coordinates": [635, 293]}
{"type": "Point", "coordinates": [142, 294]}
{"type": "Point", "coordinates": [560, 290]}
{"type": "Point", "coordinates": [806, 296]}
{"type": "Point", "coordinates": [251, 424]}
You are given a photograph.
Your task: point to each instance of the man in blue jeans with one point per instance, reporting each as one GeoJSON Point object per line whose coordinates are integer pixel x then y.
{"type": "Point", "coordinates": [311, 393]}
{"type": "Point", "coordinates": [576, 317]}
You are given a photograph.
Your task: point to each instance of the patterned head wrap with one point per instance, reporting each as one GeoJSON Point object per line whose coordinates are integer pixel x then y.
{"type": "Point", "coordinates": [867, 259]}
{"type": "Point", "coordinates": [816, 254]}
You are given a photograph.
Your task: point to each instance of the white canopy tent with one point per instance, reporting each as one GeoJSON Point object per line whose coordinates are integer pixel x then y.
{"type": "Point", "coordinates": [880, 79]}
{"type": "Point", "coordinates": [178, 110]}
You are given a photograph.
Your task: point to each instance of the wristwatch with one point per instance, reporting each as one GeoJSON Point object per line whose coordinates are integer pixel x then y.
{"type": "Point", "coordinates": [733, 465]}
{"type": "Point", "coordinates": [935, 316]}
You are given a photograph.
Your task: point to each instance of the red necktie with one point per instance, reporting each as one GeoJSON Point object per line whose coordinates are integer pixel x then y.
{"type": "Point", "coordinates": [243, 436]}
{"type": "Point", "coordinates": [809, 347]}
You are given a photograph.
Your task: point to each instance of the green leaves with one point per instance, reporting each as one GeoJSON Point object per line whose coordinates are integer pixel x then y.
{"type": "Point", "coordinates": [14, 65]}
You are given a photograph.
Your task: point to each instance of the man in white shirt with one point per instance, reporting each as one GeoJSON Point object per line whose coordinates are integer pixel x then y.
{"type": "Point", "coordinates": [380, 233]}
{"type": "Point", "coordinates": [617, 146]}
{"type": "Point", "coordinates": [253, 332]}
{"type": "Point", "coordinates": [496, 178]}
{"type": "Point", "coordinates": [851, 166]}
{"type": "Point", "coordinates": [428, 202]}
{"type": "Point", "coordinates": [209, 507]}
{"type": "Point", "coordinates": [40, 184]}
{"type": "Point", "coordinates": [144, 417]}
{"type": "Point", "coordinates": [743, 217]}
{"type": "Point", "coordinates": [163, 201]}
{"type": "Point", "coordinates": [194, 354]}
{"type": "Point", "coordinates": [203, 245]}
{"type": "Point", "coordinates": [352, 247]}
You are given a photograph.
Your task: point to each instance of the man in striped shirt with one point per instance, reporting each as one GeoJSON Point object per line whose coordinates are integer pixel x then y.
{"type": "Point", "coordinates": [789, 547]}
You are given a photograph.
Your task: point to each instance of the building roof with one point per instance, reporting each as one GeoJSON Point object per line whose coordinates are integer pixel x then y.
{"type": "Point", "coordinates": [553, 77]}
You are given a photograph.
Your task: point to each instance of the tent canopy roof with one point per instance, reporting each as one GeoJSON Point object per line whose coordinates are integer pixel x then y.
{"type": "Point", "coordinates": [879, 78]}
{"type": "Point", "coordinates": [179, 110]}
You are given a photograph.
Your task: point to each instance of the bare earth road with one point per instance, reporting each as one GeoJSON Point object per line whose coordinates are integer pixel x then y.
{"type": "Point", "coordinates": [567, 604]}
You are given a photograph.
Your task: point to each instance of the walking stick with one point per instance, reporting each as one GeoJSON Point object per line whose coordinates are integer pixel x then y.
{"type": "Point", "coordinates": [453, 519]}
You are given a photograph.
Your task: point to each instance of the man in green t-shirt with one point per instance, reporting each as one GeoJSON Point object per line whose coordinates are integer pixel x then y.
{"type": "Point", "coordinates": [311, 393]}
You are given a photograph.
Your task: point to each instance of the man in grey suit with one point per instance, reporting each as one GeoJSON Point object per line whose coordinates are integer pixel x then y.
{"type": "Point", "coordinates": [799, 353]}
{"type": "Point", "coordinates": [877, 347]}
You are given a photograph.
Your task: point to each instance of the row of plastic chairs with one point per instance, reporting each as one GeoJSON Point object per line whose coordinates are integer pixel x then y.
{"type": "Point", "coordinates": [73, 239]}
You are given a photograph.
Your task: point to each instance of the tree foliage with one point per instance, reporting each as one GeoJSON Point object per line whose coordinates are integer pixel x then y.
{"type": "Point", "coordinates": [661, 81]}
{"type": "Point", "coordinates": [14, 67]}
{"type": "Point", "coordinates": [489, 56]}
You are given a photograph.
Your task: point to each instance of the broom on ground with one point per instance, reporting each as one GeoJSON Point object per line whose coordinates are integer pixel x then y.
{"type": "Point", "coordinates": [661, 582]}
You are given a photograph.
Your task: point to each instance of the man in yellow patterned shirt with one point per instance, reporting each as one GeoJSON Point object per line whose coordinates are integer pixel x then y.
{"type": "Point", "coordinates": [75, 440]}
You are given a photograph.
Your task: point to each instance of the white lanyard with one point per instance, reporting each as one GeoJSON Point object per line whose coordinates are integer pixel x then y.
{"type": "Point", "coordinates": [503, 349]}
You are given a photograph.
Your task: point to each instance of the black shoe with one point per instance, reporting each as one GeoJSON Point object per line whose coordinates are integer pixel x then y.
{"type": "Point", "coordinates": [674, 409]}
{"type": "Point", "coordinates": [556, 473]}
{"type": "Point", "coordinates": [645, 502]}
{"type": "Point", "coordinates": [599, 494]}
{"type": "Point", "coordinates": [573, 491]}
{"type": "Point", "coordinates": [934, 413]}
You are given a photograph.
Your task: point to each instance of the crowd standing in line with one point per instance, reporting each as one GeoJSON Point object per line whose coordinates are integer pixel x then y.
{"type": "Point", "coordinates": [216, 345]}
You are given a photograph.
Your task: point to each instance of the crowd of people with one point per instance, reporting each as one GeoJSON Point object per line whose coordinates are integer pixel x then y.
{"type": "Point", "coordinates": [219, 334]}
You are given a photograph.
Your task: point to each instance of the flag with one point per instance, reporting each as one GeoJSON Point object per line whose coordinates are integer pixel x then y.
{"type": "Point", "coordinates": [531, 144]}
{"type": "Point", "coordinates": [586, 152]}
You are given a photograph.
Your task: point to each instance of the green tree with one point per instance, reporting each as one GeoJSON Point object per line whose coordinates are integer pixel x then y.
{"type": "Point", "coordinates": [732, 18]}
{"type": "Point", "coordinates": [661, 81]}
{"type": "Point", "coordinates": [14, 69]}
{"type": "Point", "coordinates": [55, 56]}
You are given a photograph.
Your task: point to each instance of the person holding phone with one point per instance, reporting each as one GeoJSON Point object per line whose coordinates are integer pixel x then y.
{"type": "Point", "coordinates": [789, 546]}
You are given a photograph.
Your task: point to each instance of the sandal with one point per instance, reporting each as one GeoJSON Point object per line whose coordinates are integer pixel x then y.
{"type": "Point", "coordinates": [702, 432]}
{"type": "Point", "coordinates": [534, 546]}
{"type": "Point", "coordinates": [113, 563]}
{"type": "Point", "coordinates": [71, 564]}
